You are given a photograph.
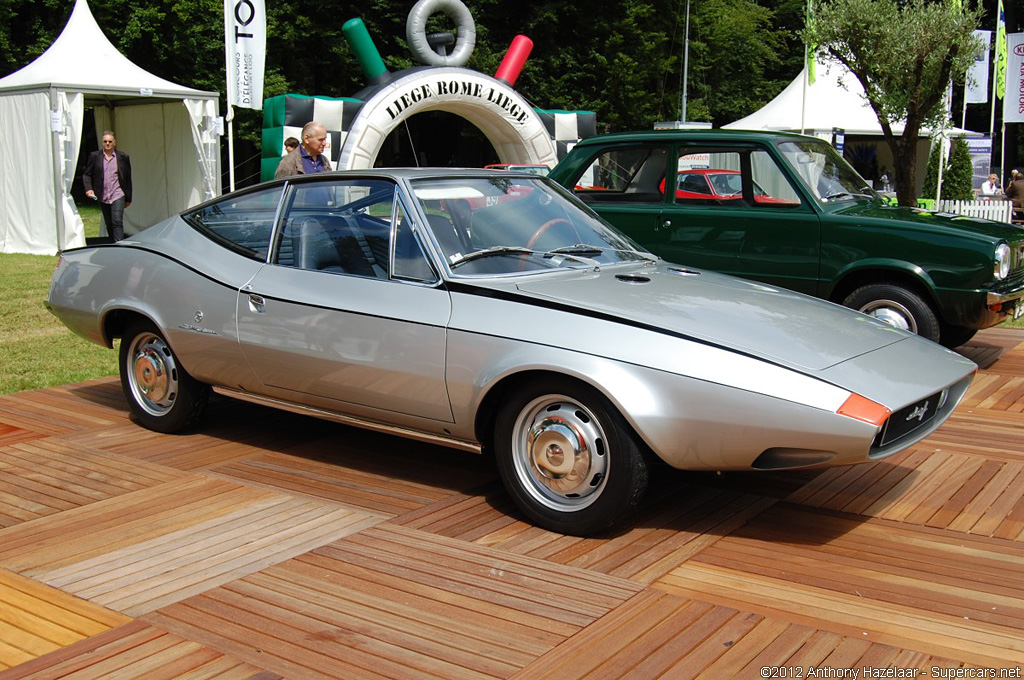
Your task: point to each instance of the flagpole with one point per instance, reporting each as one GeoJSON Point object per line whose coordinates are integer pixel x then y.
{"type": "Point", "coordinates": [803, 102]}
{"type": "Point", "coordinates": [231, 147]}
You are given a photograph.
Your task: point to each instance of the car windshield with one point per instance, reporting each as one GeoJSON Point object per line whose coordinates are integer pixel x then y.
{"type": "Point", "coordinates": [496, 225]}
{"type": "Point", "coordinates": [822, 170]}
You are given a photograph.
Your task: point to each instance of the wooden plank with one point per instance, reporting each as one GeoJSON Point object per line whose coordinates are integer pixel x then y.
{"type": "Point", "coordinates": [136, 650]}
{"type": "Point", "coordinates": [36, 619]}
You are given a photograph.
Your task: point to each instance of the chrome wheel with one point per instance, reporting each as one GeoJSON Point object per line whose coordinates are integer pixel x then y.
{"type": "Point", "coordinates": [898, 306]}
{"type": "Point", "coordinates": [152, 374]}
{"type": "Point", "coordinates": [892, 313]}
{"type": "Point", "coordinates": [559, 453]}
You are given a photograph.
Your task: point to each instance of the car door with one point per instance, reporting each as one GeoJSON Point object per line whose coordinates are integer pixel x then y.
{"type": "Point", "coordinates": [625, 186]}
{"type": "Point", "coordinates": [331, 322]}
{"type": "Point", "coordinates": [767, 232]}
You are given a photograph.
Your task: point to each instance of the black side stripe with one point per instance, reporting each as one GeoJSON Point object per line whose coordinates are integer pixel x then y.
{"type": "Point", "coordinates": [525, 299]}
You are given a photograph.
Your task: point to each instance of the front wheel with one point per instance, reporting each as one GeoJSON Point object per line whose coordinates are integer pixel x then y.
{"type": "Point", "coordinates": [160, 392]}
{"type": "Point", "coordinates": [954, 336]}
{"type": "Point", "coordinates": [568, 459]}
{"type": "Point", "coordinates": [896, 306]}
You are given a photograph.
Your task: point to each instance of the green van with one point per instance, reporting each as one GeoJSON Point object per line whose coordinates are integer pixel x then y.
{"type": "Point", "coordinates": [787, 210]}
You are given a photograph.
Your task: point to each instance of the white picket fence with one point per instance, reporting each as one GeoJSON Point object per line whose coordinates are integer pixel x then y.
{"type": "Point", "coordinates": [1000, 211]}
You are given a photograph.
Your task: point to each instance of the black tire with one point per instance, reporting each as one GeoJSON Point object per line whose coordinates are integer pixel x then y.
{"type": "Point", "coordinates": [160, 392]}
{"type": "Point", "coordinates": [954, 336]}
{"type": "Point", "coordinates": [898, 306]}
{"type": "Point", "coordinates": [607, 476]}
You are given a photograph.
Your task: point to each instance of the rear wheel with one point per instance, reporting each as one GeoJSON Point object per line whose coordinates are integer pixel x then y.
{"type": "Point", "coordinates": [568, 459]}
{"type": "Point", "coordinates": [897, 306]}
{"type": "Point", "coordinates": [160, 392]}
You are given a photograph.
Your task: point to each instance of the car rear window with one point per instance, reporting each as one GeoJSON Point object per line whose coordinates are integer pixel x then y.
{"type": "Point", "coordinates": [242, 223]}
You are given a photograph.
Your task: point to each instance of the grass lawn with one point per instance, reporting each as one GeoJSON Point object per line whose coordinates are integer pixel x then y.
{"type": "Point", "coordinates": [37, 350]}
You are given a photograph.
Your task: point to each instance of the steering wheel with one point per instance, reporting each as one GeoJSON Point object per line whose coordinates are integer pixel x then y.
{"type": "Point", "coordinates": [542, 229]}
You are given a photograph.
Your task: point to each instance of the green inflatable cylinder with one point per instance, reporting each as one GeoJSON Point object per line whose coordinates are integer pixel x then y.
{"type": "Point", "coordinates": [366, 52]}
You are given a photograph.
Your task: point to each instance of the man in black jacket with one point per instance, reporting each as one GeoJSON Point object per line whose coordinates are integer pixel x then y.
{"type": "Point", "coordinates": [108, 178]}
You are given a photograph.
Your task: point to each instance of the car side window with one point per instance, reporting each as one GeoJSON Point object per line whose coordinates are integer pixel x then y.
{"type": "Point", "coordinates": [732, 177]}
{"type": "Point", "coordinates": [242, 223]}
{"type": "Point", "coordinates": [411, 263]}
{"type": "Point", "coordinates": [625, 175]}
{"type": "Point", "coordinates": [772, 189]}
{"type": "Point", "coordinates": [339, 226]}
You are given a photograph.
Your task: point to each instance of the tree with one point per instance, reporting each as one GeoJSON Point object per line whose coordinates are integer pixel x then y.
{"type": "Point", "coordinates": [958, 180]}
{"type": "Point", "coordinates": [904, 54]}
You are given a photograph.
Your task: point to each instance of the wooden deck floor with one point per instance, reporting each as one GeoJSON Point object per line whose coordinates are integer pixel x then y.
{"type": "Point", "coordinates": [269, 545]}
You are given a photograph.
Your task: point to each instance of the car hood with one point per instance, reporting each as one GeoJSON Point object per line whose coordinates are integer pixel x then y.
{"type": "Point", "coordinates": [766, 322]}
{"type": "Point", "coordinates": [931, 220]}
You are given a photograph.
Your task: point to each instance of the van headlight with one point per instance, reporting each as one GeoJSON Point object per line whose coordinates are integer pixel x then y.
{"type": "Point", "coordinates": [1001, 268]}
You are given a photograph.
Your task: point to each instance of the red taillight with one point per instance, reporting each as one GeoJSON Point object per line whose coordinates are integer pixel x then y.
{"type": "Point", "coordinates": [862, 408]}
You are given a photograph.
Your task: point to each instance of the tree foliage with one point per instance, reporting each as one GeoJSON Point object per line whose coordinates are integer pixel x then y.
{"type": "Point", "coordinates": [622, 59]}
{"type": "Point", "coordinates": [904, 53]}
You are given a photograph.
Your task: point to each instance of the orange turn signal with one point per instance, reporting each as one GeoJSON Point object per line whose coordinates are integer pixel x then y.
{"type": "Point", "coordinates": [862, 408]}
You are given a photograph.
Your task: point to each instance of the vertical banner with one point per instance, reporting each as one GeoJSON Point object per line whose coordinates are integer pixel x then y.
{"type": "Point", "coordinates": [980, 149]}
{"type": "Point", "coordinates": [245, 45]}
{"type": "Point", "coordinates": [1013, 102]}
{"type": "Point", "coordinates": [976, 89]}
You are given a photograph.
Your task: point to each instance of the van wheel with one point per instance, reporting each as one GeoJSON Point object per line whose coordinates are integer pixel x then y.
{"type": "Point", "coordinates": [896, 306]}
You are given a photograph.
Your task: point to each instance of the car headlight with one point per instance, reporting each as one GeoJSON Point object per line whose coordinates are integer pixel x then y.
{"type": "Point", "coordinates": [1001, 268]}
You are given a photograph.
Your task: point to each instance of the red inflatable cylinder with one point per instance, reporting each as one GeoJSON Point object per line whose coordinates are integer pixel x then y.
{"type": "Point", "coordinates": [512, 64]}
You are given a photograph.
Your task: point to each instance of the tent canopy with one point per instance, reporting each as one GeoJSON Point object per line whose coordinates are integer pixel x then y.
{"type": "Point", "coordinates": [41, 108]}
{"type": "Point", "coordinates": [834, 100]}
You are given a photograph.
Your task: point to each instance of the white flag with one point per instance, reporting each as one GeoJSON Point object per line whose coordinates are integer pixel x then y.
{"type": "Point", "coordinates": [1013, 101]}
{"type": "Point", "coordinates": [977, 92]}
{"type": "Point", "coordinates": [245, 46]}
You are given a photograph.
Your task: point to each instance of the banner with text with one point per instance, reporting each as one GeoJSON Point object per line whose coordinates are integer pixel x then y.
{"type": "Point", "coordinates": [245, 46]}
{"type": "Point", "coordinates": [1013, 103]}
{"type": "Point", "coordinates": [977, 75]}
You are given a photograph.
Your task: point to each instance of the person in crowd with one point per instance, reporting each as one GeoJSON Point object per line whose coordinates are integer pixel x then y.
{"type": "Point", "coordinates": [1014, 175]}
{"type": "Point", "coordinates": [990, 187]}
{"type": "Point", "coordinates": [290, 144]}
{"type": "Point", "coordinates": [108, 179]}
{"type": "Point", "coordinates": [1015, 192]}
{"type": "Point", "coordinates": [309, 157]}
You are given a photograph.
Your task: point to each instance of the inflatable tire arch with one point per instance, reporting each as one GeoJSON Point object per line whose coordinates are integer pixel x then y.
{"type": "Point", "coordinates": [507, 121]}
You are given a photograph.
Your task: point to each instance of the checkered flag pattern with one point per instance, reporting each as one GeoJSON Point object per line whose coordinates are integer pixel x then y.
{"type": "Point", "coordinates": [568, 127]}
{"type": "Point", "coordinates": [284, 117]}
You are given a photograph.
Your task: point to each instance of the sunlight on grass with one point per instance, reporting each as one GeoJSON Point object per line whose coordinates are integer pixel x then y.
{"type": "Point", "coordinates": [37, 350]}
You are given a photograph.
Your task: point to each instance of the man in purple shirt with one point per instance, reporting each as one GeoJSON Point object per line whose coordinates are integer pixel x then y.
{"type": "Point", "coordinates": [108, 178]}
{"type": "Point", "coordinates": [309, 158]}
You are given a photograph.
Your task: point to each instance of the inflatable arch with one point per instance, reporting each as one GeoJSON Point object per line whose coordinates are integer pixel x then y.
{"type": "Point", "coordinates": [358, 127]}
{"type": "Point", "coordinates": [511, 125]}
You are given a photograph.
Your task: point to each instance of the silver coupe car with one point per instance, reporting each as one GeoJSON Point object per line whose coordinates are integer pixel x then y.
{"type": "Point", "coordinates": [493, 312]}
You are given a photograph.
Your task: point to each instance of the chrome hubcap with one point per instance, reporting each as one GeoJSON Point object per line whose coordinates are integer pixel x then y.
{"type": "Point", "coordinates": [152, 374]}
{"type": "Point", "coordinates": [892, 313]}
{"type": "Point", "coordinates": [559, 453]}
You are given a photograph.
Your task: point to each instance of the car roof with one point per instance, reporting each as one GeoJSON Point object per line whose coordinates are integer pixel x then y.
{"type": "Point", "coordinates": [703, 135]}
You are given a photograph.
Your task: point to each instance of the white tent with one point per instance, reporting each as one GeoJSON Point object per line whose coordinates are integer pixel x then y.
{"type": "Point", "coordinates": [170, 132]}
{"type": "Point", "coordinates": [834, 100]}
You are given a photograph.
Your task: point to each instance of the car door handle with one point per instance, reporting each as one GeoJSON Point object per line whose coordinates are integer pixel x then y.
{"type": "Point", "coordinates": [257, 304]}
